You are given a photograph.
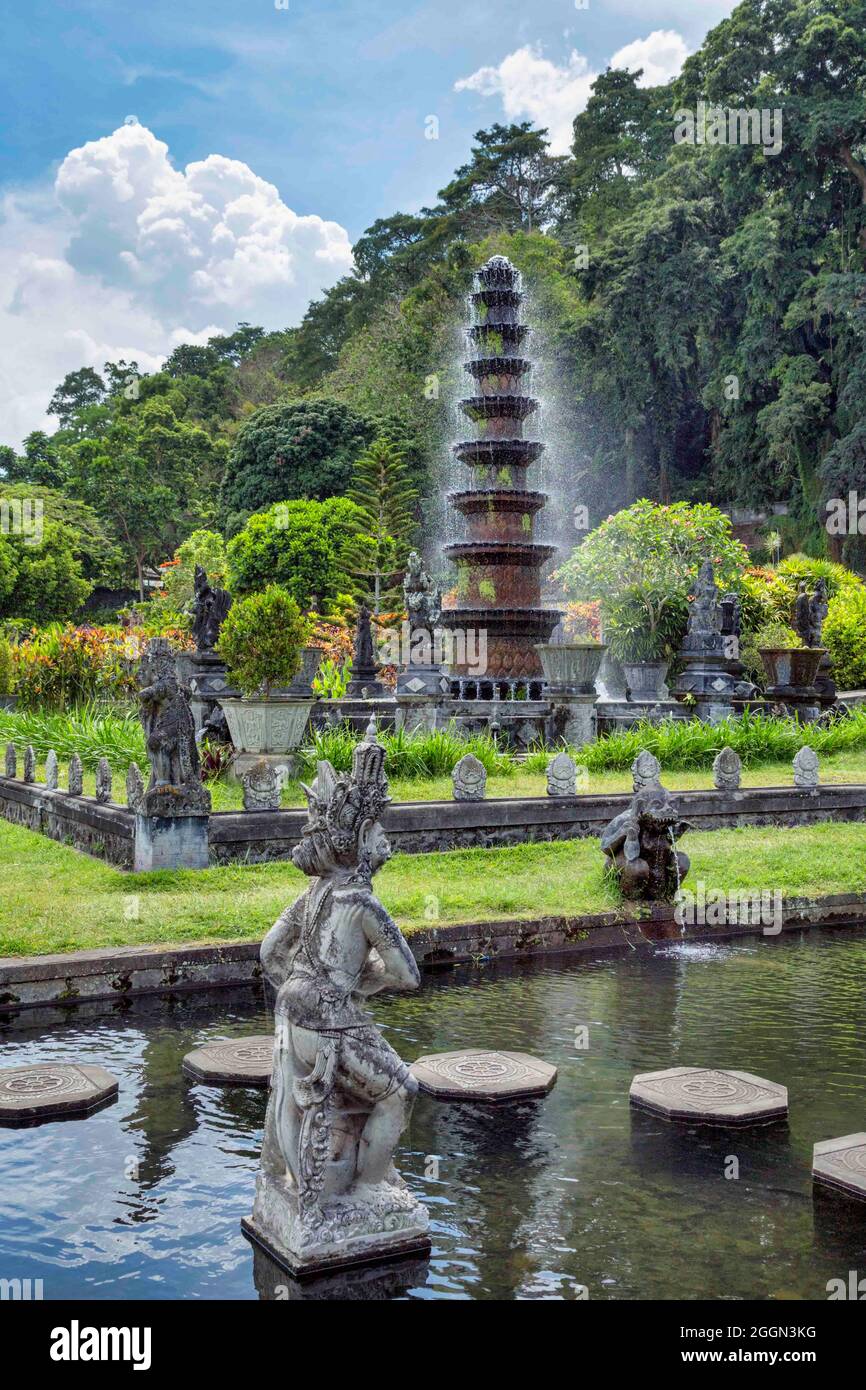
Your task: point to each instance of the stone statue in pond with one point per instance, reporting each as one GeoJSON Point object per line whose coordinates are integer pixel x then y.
{"type": "Point", "coordinates": [327, 1191]}
{"type": "Point", "coordinates": [209, 607]}
{"type": "Point", "coordinates": [641, 846]}
{"type": "Point", "coordinates": [175, 787]}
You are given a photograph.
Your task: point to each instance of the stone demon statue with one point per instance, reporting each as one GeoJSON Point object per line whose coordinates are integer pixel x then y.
{"type": "Point", "coordinates": [209, 608]}
{"type": "Point", "coordinates": [423, 600]}
{"type": "Point", "coordinates": [640, 845]}
{"type": "Point", "coordinates": [175, 787]}
{"type": "Point", "coordinates": [327, 1189]}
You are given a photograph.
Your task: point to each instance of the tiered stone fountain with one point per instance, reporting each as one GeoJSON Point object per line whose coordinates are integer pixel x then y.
{"type": "Point", "coordinates": [499, 563]}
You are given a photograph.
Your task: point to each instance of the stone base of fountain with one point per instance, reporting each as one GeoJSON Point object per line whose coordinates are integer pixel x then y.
{"type": "Point", "coordinates": [385, 1224]}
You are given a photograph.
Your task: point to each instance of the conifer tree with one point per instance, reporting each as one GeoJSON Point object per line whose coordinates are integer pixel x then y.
{"type": "Point", "coordinates": [381, 487]}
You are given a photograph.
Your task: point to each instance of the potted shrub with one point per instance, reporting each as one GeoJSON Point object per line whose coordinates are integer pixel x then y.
{"type": "Point", "coordinates": [261, 642]}
{"type": "Point", "coordinates": [7, 675]}
{"type": "Point", "coordinates": [642, 630]}
{"type": "Point", "coordinates": [786, 661]}
{"type": "Point", "coordinates": [641, 564]}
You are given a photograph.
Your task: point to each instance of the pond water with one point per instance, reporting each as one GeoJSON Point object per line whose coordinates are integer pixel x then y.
{"type": "Point", "coordinates": [533, 1200]}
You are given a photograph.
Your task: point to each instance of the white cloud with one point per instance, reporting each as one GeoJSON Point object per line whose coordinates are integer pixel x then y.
{"type": "Point", "coordinates": [531, 86]}
{"type": "Point", "coordinates": [661, 55]}
{"type": "Point", "coordinates": [130, 256]}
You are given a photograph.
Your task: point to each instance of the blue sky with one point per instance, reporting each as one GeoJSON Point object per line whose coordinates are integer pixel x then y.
{"type": "Point", "coordinates": [112, 250]}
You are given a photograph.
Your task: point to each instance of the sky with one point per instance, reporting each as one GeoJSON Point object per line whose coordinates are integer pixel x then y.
{"type": "Point", "coordinates": [168, 169]}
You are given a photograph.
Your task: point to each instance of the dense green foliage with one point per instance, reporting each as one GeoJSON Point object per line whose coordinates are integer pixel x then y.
{"type": "Point", "coordinates": [294, 449]}
{"type": "Point", "coordinates": [308, 547]}
{"type": "Point", "coordinates": [701, 317]}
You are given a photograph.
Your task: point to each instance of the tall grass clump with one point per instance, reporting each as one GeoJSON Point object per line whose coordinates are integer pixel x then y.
{"type": "Point", "coordinates": [88, 730]}
{"type": "Point", "coordinates": [407, 755]}
{"type": "Point", "coordinates": [681, 745]}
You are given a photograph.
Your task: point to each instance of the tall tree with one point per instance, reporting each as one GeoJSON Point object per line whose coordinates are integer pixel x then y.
{"type": "Point", "coordinates": [382, 490]}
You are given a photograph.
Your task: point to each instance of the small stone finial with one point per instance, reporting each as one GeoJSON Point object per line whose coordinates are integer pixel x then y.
{"type": "Point", "coordinates": [562, 776]}
{"type": "Point", "coordinates": [11, 760]}
{"type": "Point", "coordinates": [134, 787]}
{"type": "Point", "coordinates": [103, 781]}
{"type": "Point", "coordinates": [469, 779]}
{"type": "Point", "coordinates": [261, 787]}
{"type": "Point", "coordinates": [727, 770]}
{"type": "Point", "coordinates": [806, 769]}
{"type": "Point", "coordinates": [51, 771]}
{"type": "Point", "coordinates": [646, 771]}
{"type": "Point", "coordinates": [76, 776]}
{"type": "Point", "coordinates": [29, 764]}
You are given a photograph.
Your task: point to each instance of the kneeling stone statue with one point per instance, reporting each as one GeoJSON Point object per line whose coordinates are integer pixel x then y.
{"type": "Point", "coordinates": [327, 1193]}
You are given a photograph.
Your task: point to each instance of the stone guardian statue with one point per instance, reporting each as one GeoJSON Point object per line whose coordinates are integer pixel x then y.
{"type": "Point", "coordinates": [328, 1194]}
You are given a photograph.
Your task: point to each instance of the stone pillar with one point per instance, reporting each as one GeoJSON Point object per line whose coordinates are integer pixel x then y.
{"type": "Point", "coordinates": [423, 713]}
{"type": "Point", "coordinates": [170, 842]}
{"type": "Point", "coordinates": [574, 719]}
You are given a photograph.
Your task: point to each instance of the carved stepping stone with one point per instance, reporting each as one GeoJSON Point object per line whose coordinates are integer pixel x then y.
{"type": "Point", "coordinates": [706, 1096]}
{"type": "Point", "coordinates": [486, 1076]}
{"type": "Point", "coordinates": [238, 1062]}
{"type": "Point", "coordinates": [53, 1091]}
{"type": "Point", "coordinates": [841, 1163]}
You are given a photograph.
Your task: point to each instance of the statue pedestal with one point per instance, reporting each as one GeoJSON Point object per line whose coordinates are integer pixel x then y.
{"type": "Point", "coordinates": [574, 719]}
{"type": "Point", "coordinates": [204, 673]}
{"type": "Point", "coordinates": [385, 1224]}
{"type": "Point", "coordinates": [422, 712]}
{"type": "Point", "coordinates": [170, 842]}
{"type": "Point", "coordinates": [423, 680]}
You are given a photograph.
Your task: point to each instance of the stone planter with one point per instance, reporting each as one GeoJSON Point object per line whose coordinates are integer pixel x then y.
{"type": "Point", "coordinates": [272, 729]}
{"type": "Point", "coordinates": [571, 666]}
{"type": "Point", "coordinates": [646, 680]}
{"type": "Point", "coordinates": [796, 667]}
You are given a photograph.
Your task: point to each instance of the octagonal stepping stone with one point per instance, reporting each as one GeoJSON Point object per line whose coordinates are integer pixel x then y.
{"type": "Point", "coordinates": [486, 1076]}
{"type": "Point", "coordinates": [53, 1091]}
{"type": "Point", "coordinates": [237, 1062]}
{"type": "Point", "coordinates": [841, 1163]}
{"type": "Point", "coordinates": [707, 1096]}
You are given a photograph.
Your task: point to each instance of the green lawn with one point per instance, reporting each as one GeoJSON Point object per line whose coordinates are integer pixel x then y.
{"type": "Point", "coordinates": [54, 899]}
{"type": "Point", "coordinates": [849, 766]}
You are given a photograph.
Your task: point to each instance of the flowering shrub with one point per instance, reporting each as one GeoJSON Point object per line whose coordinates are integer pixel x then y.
{"type": "Point", "coordinates": [582, 622]}
{"type": "Point", "coordinates": [63, 665]}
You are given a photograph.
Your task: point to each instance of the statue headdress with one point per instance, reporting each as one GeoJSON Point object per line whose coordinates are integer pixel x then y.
{"type": "Point", "coordinates": [340, 803]}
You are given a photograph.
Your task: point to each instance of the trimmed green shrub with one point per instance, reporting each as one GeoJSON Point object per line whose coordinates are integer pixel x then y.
{"type": "Point", "coordinates": [261, 640]}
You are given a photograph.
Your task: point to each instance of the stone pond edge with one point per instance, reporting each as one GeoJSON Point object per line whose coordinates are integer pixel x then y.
{"type": "Point", "coordinates": [118, 974]}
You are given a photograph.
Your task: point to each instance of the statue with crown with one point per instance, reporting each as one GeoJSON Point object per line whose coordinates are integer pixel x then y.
{"type": "Point", "coordinates": [327, 1193]}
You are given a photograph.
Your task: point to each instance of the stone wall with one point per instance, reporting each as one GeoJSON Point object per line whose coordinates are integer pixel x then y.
{"type": "Point", "coordinates": [418, 827]}
{"type": "Point", "coordinates": [106, 831]}
{"type": "Point", "coordinates": [101, 981]}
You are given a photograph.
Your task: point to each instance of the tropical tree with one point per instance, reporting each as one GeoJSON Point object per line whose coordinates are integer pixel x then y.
{"type": "Point", "coordinates": [295, 449]}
